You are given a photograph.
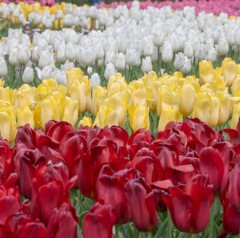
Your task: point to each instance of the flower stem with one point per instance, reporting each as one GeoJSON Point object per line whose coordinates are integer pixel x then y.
{"type": "Point", "coordinates": [169, 225]}
{"type": "Point", "coordinates": [211, 223]}
{"type": "Point", "coordinates": [116, 231]}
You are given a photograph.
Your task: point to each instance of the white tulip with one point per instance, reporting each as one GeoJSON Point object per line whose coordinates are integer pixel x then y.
{"type": "Point", "coordinates": [237, 38]}
{"type": "Point", "coordinates": [131, 57]}
{"type": "Point", "coordinates": [110, 57]}
{"type": "Point", "coordinates": [109, 70]}
{"type": "Point", "coordinates": [28, 74]}
{"type": "Point", "coordinates": [35, 54]}
{"type": "Point", "coordinates": [59, 14]}
{"type": "Point", "coordinates": [59, 75]}
{"type": "Point", "coordinates": [44, 59]}
{"type": "Point", "coordinates": [70, 51]}
{"type": "Point", "coordinates": [120, 63]}
{"type": "Point", "coordinates": [46, 72]}
{"type": "Point", "coordinates": [95, 80]}
{"type": "Point", "coordinates": [68, 20]}
{"type": "Point", "coordinates": [212, 55]}
{"type": "Point", "coordinates": [22, 54]}
{"type": "Point", "coordinates": [199, 54]}
{"type": "Point", "coordinates": [148, 50]}
{"type": "Point", "coordinates": [158, 39]}
{"type": "Point", "coordinates": [188, 50]}
{"type": "Point", "coordinates": [179, 61]}
{"type": "Point", "coordinates": [167, 53]}
{"type": "Point", "coordinates": [187, 66]}
{"type": "Point", "coordinates": [13, 56]}
{"type": "Point", "coordinates": [146, 65]}
{"type": "Point", "coordinates": [61, 52]}
{"type": "Point", "coordinates": [3, 68]}
{"type": "Point", "coordinates": [99, 51]}
{"type": "Point", "coordinates": [222, 47]}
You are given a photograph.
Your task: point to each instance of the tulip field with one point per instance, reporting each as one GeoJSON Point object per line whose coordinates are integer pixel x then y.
{"type": "Point", "coordinates": [120, 119]}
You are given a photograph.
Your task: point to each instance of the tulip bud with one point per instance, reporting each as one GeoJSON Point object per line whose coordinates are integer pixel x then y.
{"type": "Point", "coordinates": [120, 62]}
{"type": "Point", "coordinates": [61, 52]}
{"type": "Point", "coordinates": [187, 66]}
{"type": "Point", "coordinates": [167, 53]}
{"type": "Point", "coordinates": [28, 75]}
{"type": "Point", "coordinates": [70, 51]}
{"type": "Point", "coordinates": [13, 56]}
{"type": "Point", "coordinates": [99, 51]}
{"type": "Point", "coordinates": [215, 109]}
{"type": "Point", "coordinates": [44, 59]}
{"type": "Point", "coordinates": [187, 99]}
{"type": "Point", "coordinates": [148, 50]}
{"type": "Point", "coordinates": [86, 121]}
{"type": "Point", "coordinates": [70, 112]}
{"type": "Point", "coordinates": [22, 55]}
{"type": "Point", "coordinates": [109, 70]}
{"type": "Point", "coordinates": [110, 57]}
{"type": "Point", "coordinates": [211, 55]}
{"type": "Point", "coordinates": [59, 14]}
{"type": "Point", "coordinates": [235, 116]}
{"type": "Point", "coordinates": [146, 65]}
{"type": "Point", "coordinates": [222, 46]}
{"type": "Point", "coordinates": [199, 54]}
{"type": "Point", "coordinates": [3, 68]}
{"type": "Point", "coordinates": [25, 116]}
{"type": "Point", "coordinates": [95, 80]}
{"type": "Point", "coordinates": [188, 50]}
{"type": "Point", "coordinates": [131, 57]}
{"type": "Point", "coordinates": [179, 61]}
{"type": "Point", "coordinates": [229, 71]}
{"type": "Point", "coordinates": [68, 20]}
{"type": "Point", "coordinates": [206, 71]}
{"type": "Point", "coordinates": [225, 108]}
{"type": "Point", "coordinates": [236, 87]}
{"type": "Point", "coordinates": [158, 39]}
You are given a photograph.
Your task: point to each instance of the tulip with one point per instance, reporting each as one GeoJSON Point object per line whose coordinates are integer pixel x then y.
{"type": "Point", "coordinates": [222, 46]}
{"type": "Point", "coordinates": [120, 62]}
{"type": "Point", "coordinates": [131, 57]}
{"type": "Point", "coordinates": [3, 68]}
{"type": "Point", "coordinates": [215, 112]}
{"type": "Point", "coordinates": [138, 117]}
{"type": "Point", "coordinates": [146, 65]}
{"type": "Point", "coordinates": [61, 52]}
{"type": "Point", "coordinates": [73, 74]}
{"type": "Point", "coordinates": [167, 53]}
{"type": "Point", "coordinates": [95, 80]}
{"type": "Point", "coordinates": [86, 121]}
{"type": "Point", "coordinates": [194, 201]}
{"type": "Point", "coordinates": [70, 52]}
{"type": "Point", "coordinates": [235, 88]}
{"type": "Point", "coordinates": [25, 116]}
{"type": "Point", "coordinates": [98, 95]}
{"type": "Point", "coordinates": [217, 167]}
{"type": "Point", "coordinates": [142, 204]}
{"type": "Point", "coordinates": [229, 71]}
{"type": "Point", "coordinates": [202, 107]}
{"type": "Point", "coordinates": [70, 111]}
{"type": "Point", "coordinates": [13, 56]}
{"type": "Point", "coordinates": [206, 72]}
{"type": "Point", "coordinates": [187, 99]}
{"type": "Point", "coordinates": [169, 113]}
{"type": "Point", "coordinates": [224, 99]}
{"type": "Point", "coordinates": [109, 71]}
{"type": "Point", "coordinates": [62, 223]}
{"type": "Point", "coordinates": [22, 54]}
{"type": "Point", "coordinates": [28, 75]}
{"type": "Point", "coordinates": [99, 222]}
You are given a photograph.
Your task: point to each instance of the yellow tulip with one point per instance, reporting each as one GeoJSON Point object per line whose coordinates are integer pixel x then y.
{"type": "Point", "coordinates": [225, 105]}
{"type": "Point", "coordinates": [139, 117]}
{"type": "Point", "coordinates": [70, 111]}
{"type": "Point", "coordinates": [169, 113]}
{"type": "Point", "coordinates": [86, 121]}
{"type": "Point", "coordinates": [78, 90]}
{"type": "Point", "coordinates": [25, 116]}
{"type": "Point", "coordinates": [138, 93]}
{"type": "Point", "coordinates": [155, 94]}
{"type": "Point", "coordinates": [215, 112]}
{"type": "Point", "coordinates": [235, 88]}
{"type": "Point", "coordinates": [235, 116]}
{"type": "Point", "coordinates": [202, 108]}
{"type": "Point", "coordinates": [229, 71]}
{"type": "Point", "coordinates": [8, 123]}
{"type": "Point", "coordinates": [73, 74]}
{"type": "Point", "coordinates": [206, 71]}
{"type": "Point", "coordinates": [98, 95]}
{"type": "Point", "coordinates": [233, 102]}
{"type": "Point", "coordinates": [187, 99]}
{"type": "Point", "coordinates": [6, 94]}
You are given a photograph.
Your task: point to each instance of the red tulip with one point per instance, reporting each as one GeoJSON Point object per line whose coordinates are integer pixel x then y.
{"type": "Point", "coordinates": [98, 222]}
{"type": "Point", "coordinates": [234, 187]}
{"type": "Point", "coordinates": [231, 215]}
{"type": "Point", "coordinates": [9, 198]}
{"type": "Point", "coordinates": [110, 191]}
{"type": "Point", "coordinates": [190, 206]}
{"type": "Point", "coordinates": [57, 130]}
{"type": "Point", "coordinates": [214, 162]}
{"type": "Point", "coordinates": [46, 198]}
{"type": "Point", "coordinates": [62, 223]}
{"type": "Point", "coordinates": [22, 226]}
{"type": "Point", "coordinates": [73, 147]}
{"type": "Point", "coordinates": [139, 139]}
{"type": "Point", "coordinates": [142, 204]}
{"type": "Point", "coordinates": [6, 161]}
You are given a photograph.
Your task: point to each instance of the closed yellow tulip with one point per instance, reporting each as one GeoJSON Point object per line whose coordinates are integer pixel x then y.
{"type": "Point", "coordinates": [235, 116]}
{"type": "Point", "coordinates": [70, 111]}
{"type": "Point", "coordinates": [86, 121]}
{"type": "Point", "coordinates": [229, 71]}
{"type": "Point", "coordinates": [98, 95]}
{"type": "Point", "coordinates": [73, 74]}
{"type": "Point", "coordinates": [139, 117]}
{"type": "Point", "coordinates": [225, 107]}
{"type": "Point", "coordinates": [202, 108]}
{"type": "Point", "coordinates": [206, 71]}
{"type": "Point", "coordinates": [186, 99]}
{"type": "Point", "coordinates": [25, 116]}
{"type": "Point", "coordinates": [235, 88]}
{"type": "Point", "coordinates": [215, 112]}
{"type": "Point", "coordinates": [169, 113]}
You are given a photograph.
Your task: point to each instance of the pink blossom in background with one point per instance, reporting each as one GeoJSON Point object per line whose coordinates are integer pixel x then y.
{"type": "Point", "coordinates": [47, 2]}
{"type": "Point", "coordinates": [43, 2]}
{"type": "Point", "coordinates": [231, 7]}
